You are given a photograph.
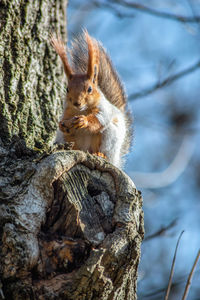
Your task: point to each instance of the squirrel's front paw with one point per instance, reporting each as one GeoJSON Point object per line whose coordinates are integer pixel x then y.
{"type": "Point", "coordinates": [80, 122]}
{"type": "Point", "coordinates": [65, 125]}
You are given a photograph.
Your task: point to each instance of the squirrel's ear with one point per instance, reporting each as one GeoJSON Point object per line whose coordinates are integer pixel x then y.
{"type": "Point", "coordinates": [59, 46]}
{"type": "Point", "coordinates": [93, 58]}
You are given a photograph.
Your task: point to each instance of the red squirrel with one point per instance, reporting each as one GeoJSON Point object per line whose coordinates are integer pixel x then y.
{"type": "Point", "coordinates": [95, 117]}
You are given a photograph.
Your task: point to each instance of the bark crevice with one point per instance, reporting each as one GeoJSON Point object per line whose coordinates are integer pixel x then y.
{"type": "Point", "coordinates": [73, 225]}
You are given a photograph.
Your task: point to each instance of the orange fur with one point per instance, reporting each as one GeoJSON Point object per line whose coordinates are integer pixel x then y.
{"type": "Point", "coordinates": [100, 155]}
{"type": "Point", "coordinates": [58, 45]}
{"type": "Point", "coordinates": [79, 118]}
{"type": "Point", "coordinates": [93, 58]}
{"type": "Point", "coordinates": [69, 125]}
{"type": "Point", "coordinates": [115, 120]}
{"type": "Point", "coordinates": [95, 117]}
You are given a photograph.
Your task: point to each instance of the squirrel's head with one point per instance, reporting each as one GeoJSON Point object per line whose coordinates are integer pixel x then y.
{"type": "Point", "coordinates": [82, 90]}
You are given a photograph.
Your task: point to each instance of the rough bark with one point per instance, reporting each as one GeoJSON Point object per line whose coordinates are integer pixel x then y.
{"type": "Point", "coordinates": [71, 224]}
{"type": "Point", "coordinates": [72, 232]}
{"type": "Point", "coordinates": [30, 100]}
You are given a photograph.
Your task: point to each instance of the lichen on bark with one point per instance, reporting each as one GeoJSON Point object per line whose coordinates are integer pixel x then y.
{"type": "Point", "coordinates": [73, 233]}
{"type": "Point", "coordinates": [32, 80]}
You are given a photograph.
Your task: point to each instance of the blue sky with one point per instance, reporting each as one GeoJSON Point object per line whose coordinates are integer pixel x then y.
{"type": "Point", "coordinates": [146, 49]}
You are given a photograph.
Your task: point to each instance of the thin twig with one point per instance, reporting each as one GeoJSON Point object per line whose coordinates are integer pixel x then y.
{"type": "Point", "coordinates": [136, 6]}
{"type": "Point", "coordinates": [172, 268]}
{"type": "Point", "coordinates": [113, 8]}
{"type": "Point", "coordinates": [157, 13]}
{"type": "Point", "coordinates": [187, 287]}
{"type": "Point", "coordinates": [193, 10]}
{"type": "Point", "coordinates": [1, 291]}
{"type": "Point", "coordinates": [161, 231]}
{"type": "Point", "coordinates": [159, 291]}
{"type": "Point", "coordinates": [107, 6]}
{"type": "Point", "coordinates": [164, 82]}
{"type": "Point", "coordinates": [155, 180]}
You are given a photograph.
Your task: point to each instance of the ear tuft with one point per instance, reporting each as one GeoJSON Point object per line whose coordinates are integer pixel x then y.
{"type": "Point", "coordinates": [95, 73]}
{"type": "Point", "coordinates": [59, 47]}
{"type": "Point", "coordinates": [93, 58]}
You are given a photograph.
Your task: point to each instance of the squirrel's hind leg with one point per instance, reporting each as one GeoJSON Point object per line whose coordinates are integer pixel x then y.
{"type": "Point", "coordinates": [95, 145]}
{"type": "Point", "coordinates": [100, 154]}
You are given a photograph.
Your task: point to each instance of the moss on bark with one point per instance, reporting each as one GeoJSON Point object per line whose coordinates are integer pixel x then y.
{"type": "Point", "coordinates": [30, 75]}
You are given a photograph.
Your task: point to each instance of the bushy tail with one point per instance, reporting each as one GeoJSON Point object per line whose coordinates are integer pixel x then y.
{"type": "Point", "coordinates": [108, 80]}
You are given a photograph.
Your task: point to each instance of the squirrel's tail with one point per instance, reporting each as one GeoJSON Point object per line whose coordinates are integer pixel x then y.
{"type": "Point", "coordinates": [108, 80]}
{"type": "Point", "coordinates": [129, 133]}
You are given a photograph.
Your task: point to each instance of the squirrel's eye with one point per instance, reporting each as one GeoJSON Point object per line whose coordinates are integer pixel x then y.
{"type": "Point", "coordinates": [67, 90]}
{"type": "Point", "coordinates": [89, 89]}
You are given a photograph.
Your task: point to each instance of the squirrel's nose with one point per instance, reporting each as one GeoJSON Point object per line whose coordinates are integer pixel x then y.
{"type": "Point", "coordinates": [76, 104]}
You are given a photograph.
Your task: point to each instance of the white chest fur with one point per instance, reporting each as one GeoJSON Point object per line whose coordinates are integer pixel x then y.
{"type": "Point", "coordinates": [113, 132]}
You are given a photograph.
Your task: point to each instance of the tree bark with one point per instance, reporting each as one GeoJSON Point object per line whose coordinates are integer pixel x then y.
{"type": "Point", "coordinates": [71, 224]}
{"type": "Point", "coordinates": [30, 73]}
{"type": "Point", "coordinates": [72, 232]}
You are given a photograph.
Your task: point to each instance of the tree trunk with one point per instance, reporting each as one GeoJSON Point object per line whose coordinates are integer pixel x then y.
{"type": "Point", "coordinates": [30, 72]}
{"type": "Point", "coordinates": [71, 224]}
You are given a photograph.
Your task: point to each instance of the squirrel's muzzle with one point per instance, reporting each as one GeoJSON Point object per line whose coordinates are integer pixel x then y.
{"type": "Point", "coordinates": [77, 104]}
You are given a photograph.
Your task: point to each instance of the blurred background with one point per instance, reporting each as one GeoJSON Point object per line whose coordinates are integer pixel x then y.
{"type": "Point", "coordinates": [155, 46]}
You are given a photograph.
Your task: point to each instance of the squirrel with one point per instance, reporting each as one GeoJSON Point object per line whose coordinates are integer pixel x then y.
{"type": "Point", "coordinates": [95, 116]}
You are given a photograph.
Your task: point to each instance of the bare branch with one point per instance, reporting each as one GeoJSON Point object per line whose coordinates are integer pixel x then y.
{"type": "Point", "coordinates": [107, 6]}
{"type": "Point", "coordinates": [161, 290]}
{"type": "Point", "coordinates": [170, 174]}
{"type": "Point", "coordinates": [193, 10]}
{"type": "Point", "coordinates": [1, 291]}
{"type": "Point", "coordinates": [157, 13]}
{"type": "Point", "coordinates": [113, 8]}
{"type": "Point", "coordinates": [161, 231]}
{"type": "Point", "coordinates": [164, 82]}
{"type": "Point", "coordinates": [172, 268]}
{"type": "Point", "coordinates": [190, 277]}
